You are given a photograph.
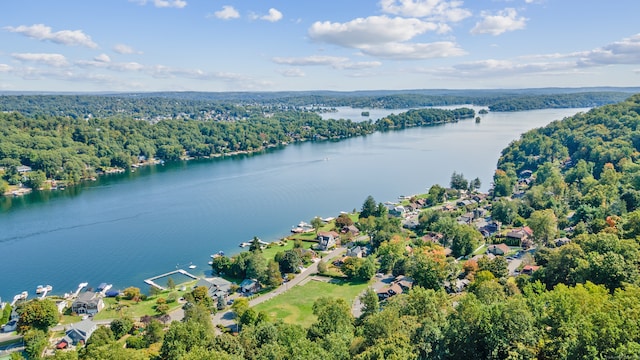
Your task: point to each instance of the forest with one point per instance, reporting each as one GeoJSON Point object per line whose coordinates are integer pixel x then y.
{"type": "Point", "coordinates": [70, 149]}
{"type": "Point", "coordinates": [575, 183]}
{"type": "Point", "coordinates": [154, 107]}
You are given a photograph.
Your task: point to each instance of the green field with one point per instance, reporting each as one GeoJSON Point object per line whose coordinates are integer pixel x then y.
{"type": "Point", "coordinates": [295, 306]}
{"type": "Point", "coordinates": [270, 252]}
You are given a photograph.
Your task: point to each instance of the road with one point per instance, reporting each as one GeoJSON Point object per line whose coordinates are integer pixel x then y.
{"type": "Point", "coordinates": [226, 318]}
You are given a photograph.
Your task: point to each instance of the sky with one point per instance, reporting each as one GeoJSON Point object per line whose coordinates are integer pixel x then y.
{"type": "Point", "coordinates": [293, 45]}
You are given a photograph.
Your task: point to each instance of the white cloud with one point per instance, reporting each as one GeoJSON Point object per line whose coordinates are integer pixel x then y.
{"type": "Point", "coordinates": [102, 58]}
{"type": "Point", "coordinates": [369, 31]}
{"type": "Point", "coordinates": [57, 60]}
{"type": "Point", "coordinates": [310, 60]}
{"type": "Point", "coordinates": [505, 20]}
{"type": "Point", "coordinates": [626, 51]}
{"type": "Point", "coordinates": [273, 16]}
{"type": "Point", "coordinates": [441, 10]}
{"type": "Point", "coordinates": [65, 37]}
{"type": "Point", "coordinates": [125, 49]}
{"type": "Point", "coordinates": [5, 68]}
{"type": "Point", "coordinates": [341, 63]}
{"type": "Point", "coordinates": [227, 12]}
{"type": "Point", "coordinates": [163, 3]}
{"type": "Point", "coordinates": [410, 51]}
{"type": "Point", "coordinates": [291, 72]}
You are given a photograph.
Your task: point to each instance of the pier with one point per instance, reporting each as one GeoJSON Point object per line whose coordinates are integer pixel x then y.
{"type": "Point", "coordinates": [151, 281]}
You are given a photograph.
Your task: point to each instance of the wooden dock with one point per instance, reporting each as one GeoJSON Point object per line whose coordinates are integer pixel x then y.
{"type": "Point", "coordinates": [151, 281]}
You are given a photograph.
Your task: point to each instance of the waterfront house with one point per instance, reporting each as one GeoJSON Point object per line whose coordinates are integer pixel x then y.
{"type": "Point", "coordinates": [249, 286]}
{"type": "Point", "coordinates": [78, 333]}
{"type": "Point", "coordinates": [216, 288]}
{"type": "Point", "coordinates": [23, 169]}
{"type": "Point", "coordinates": [88, 302]}
{"type": "Point", "coordinates": [327, 239]}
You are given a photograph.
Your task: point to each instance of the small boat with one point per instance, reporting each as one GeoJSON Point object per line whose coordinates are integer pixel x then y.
{"type": "Point", "coordinates": [210, 263]}
{"type": "Point", "coordinates": [192, 266]}
{"type": "Point", "coordinates": [43, 289]}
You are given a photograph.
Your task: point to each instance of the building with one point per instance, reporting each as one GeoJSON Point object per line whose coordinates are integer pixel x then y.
{"type": "Point", "coordinates": [217, 288]}
{"type": "Point", "coordinates": [327, 240]}
{"type": "Point", "coordinates": [78, 334]}
{"type": "Point", "coordinates": [498, 249]}
{"type": "Point", "coordinates": [88, 302]}
{"type": "Point", "coordinates": [249, 286]}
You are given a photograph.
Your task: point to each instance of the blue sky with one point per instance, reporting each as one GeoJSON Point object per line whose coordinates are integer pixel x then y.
{"type": "Point", "coordinates": [275, 45]}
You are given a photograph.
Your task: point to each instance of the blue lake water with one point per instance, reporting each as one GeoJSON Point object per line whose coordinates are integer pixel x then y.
{"type": "Point", "coordinates": [124, 228]}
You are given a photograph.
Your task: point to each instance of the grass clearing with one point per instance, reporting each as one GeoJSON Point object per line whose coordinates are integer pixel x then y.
{"type": "Point", "coordinates": [295, 306]}
{"type": "Point", "coordinates": [118, 308]}
{"type": "Point", "coordinates": [270, 252]}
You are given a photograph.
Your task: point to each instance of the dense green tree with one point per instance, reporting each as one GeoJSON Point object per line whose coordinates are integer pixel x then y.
{"type": "Point", "coordinates": [369, 207]}
{"type": "Point", "coordinates": [35, 340]}
{"type": "Point", "coordinates": [121, 326]}
{"type": "Point", "coordinates": [465, 240]}
{"type": "Point", "coordinates": [458, 181]}
{"type": "Point", "coordinates": [544, 224]}
{"type": "Point", "coordinates": [37, 314]}
{"type": "Point", "coordinates": [370, 303]}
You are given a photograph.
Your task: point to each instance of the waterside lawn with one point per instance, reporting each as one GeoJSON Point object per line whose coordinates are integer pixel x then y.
{"type": "Point", "coordinates": [295, 306]}
{"type": "Point", "coordinates": [118, 308]}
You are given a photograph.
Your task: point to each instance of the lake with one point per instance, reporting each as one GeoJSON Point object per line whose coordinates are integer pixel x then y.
{"type": "Point", "coordinates": [127, 227]}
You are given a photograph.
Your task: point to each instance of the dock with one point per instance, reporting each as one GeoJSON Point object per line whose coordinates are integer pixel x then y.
{"type": "Point", "coordinates": [151, 281]}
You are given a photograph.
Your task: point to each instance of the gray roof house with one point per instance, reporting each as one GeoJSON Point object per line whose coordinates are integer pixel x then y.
{"type": "Point", "coordinates": [78, 333]}
{"type": "Point", "coordinates": [88, 302]}
{"type": "Point", "coordinates": [216, 286]}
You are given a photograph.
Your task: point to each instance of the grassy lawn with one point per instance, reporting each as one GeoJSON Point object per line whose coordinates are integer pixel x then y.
{"type": "Point", "coordinates": [295, 306]}
{"type": "Point", "coordinates": [115, 309]}
{"type": "Point", "coordinates": [270, 252]}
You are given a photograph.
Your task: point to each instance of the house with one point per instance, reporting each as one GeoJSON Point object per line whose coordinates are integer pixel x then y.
{"type": "Point", "coordinates": [465, 202]}
{"type": "Point", "coordinates": [397, 210]}
{"type": "Point", "coordinates": [88, 302]}
{"type": "Point", "coordinates": [249, 286]}
{"type": "Point", "coordinates": [448, 207]}
{"type": "Point", "coordinates": [456, 286]}
{"type": "Point", "coordinates": [433, 237]}
{"type": "Point", "coordinates": [389, 291]}
{"type": "Point", "coordinates": [517, 236]}
{"type": "Point", "coordinates": [465, 219]}
{"type": "Point", "coordinates": [498, 249]}
{"type": "Point", "coordinates": [530, 269]}
{"type": "Point", "coordinates": [23, 169]}
{"type": "Point", "coordinates": [327, 239]}
{"type": "Point", "coordinates": [351, 229]}
{"type": "Point", "coordinates": [406, 283]}
{"type": "Point", "coordinates": [10, 326]}
{"type": "Point", "coordinates": [357, 251]}
{"type": "Point", "coordinates": [216, 288]}
{"type": "Point", "coordinates": [480, 256]}
{"type": "Point", "coordinates": [78, 333]}
{"type": "Point", "coordinates": [561, 241]}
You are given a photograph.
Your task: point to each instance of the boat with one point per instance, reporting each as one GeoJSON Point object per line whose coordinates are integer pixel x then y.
{"type": "Point", "coordinates": [192, 266]}
{"type": "Point", "coordinates": [43, 289]}
{"type": "Point", "coordinates": [210, 263]}
{"type": "Point", "coordinates": [101, 287]}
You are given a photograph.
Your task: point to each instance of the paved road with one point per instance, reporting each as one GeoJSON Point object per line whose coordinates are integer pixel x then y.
{"type": "Point", "coordinates": [226, 318]}
{"type": "Point", "coordinates": [384, 280]}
